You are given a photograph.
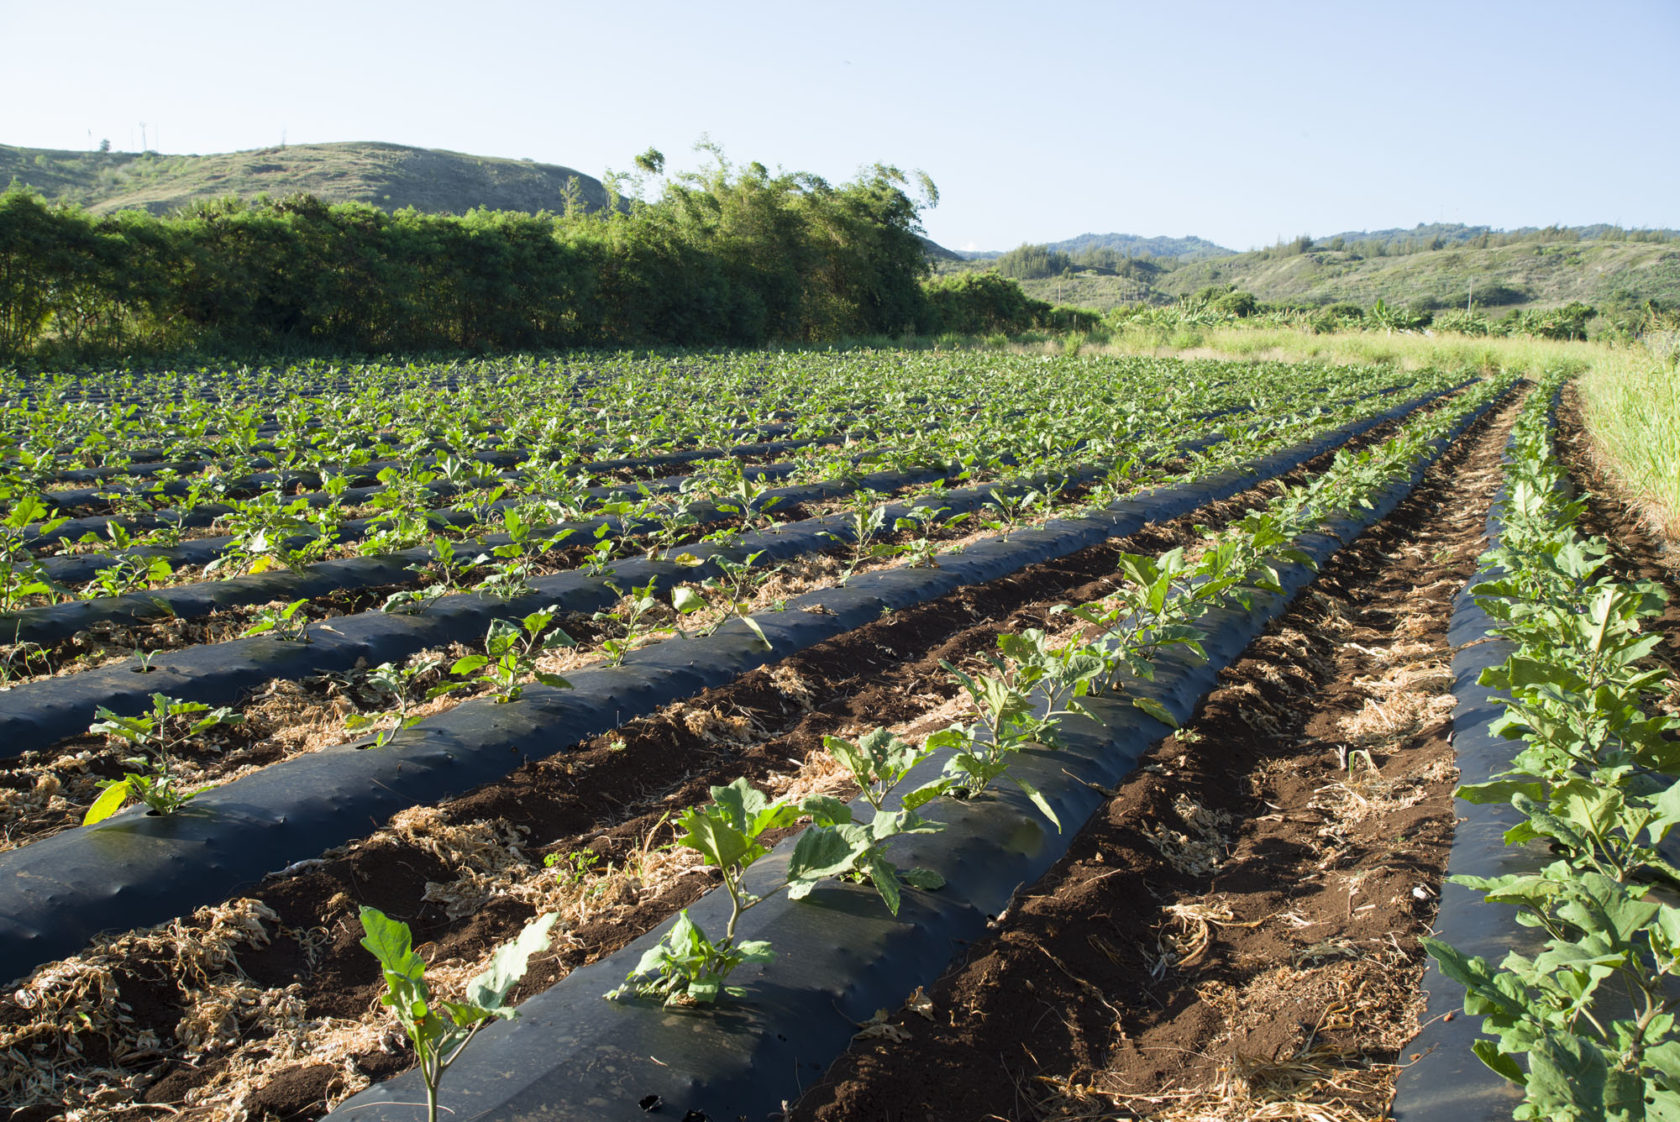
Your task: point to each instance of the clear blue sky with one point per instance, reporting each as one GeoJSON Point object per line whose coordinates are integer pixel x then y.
{"type": "Point", "coordinates": [1241, 122]}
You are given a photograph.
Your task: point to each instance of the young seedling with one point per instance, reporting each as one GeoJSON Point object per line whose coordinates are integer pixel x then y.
{"type": "Point", "coordinates": [289, 623]}
{"type": "Point", "coordinates": [631, 614]}
{"type": "Point", "coordinates": [448, 566]}
{"type": "Point", "coordinates": [395, 683]}
{"type": "Point", "coordinates": [510, 657]}
{"type": "Point", "coordinates": [598, 561]}
{"type": "Point", "coordinates": [506, 579]}
{"type": "Point", "coordinates": [1008, 509]}
{"type": "Point", "coordinates": [746, 498]}
{"type": "Point", "coordinates": [169, 724]}
{"type": "Point", "coordinates": [441, 1030]}
{"type": "Point", "coordinates": [128, 573]}
{"type": "Point", "coordinates": [687, 967]}
{"type": "Point", "coordinates": [920, 551]}
{"type": "Point", "coordinates": [838, 844]}
{"type": "Point", "coordinates": [414, 601]}
{"type": "Point", "coordinates": [866, 516]}
{"type": "Point", "coordinates": [733, 588]}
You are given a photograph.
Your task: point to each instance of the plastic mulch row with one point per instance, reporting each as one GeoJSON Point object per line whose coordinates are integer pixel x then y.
{"type": "Point", "coordinates": [137, 869]}
{"type": "Point", "coordinates": [41, 712]}
{"type": "Point", "coordinates": [840, 955]}
{"type": "Point", "coordinates": [1447, 1082]}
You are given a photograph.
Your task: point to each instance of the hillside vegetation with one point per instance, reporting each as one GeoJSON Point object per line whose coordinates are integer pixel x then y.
{"type": "Point", "coordinates": [1551, 269]}
{"type": "Point", "coordinates": [388, 176]}
{"type": "Point", "coordinates": [1129, 245]}
{"type": "Point", "coordinates": [1540, 273]}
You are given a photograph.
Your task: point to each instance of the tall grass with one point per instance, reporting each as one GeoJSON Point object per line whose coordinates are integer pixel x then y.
{"type": "Point", "coordinates": [1632, 407]}
{"type": "Point", "coordinates": [1407, 350]}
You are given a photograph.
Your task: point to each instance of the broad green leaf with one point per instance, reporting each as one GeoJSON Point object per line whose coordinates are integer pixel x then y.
{"type": "Point", "coordinates": [391, 943]}
{"type": "Point", "coordinates": [884, 876]}
{"type": "Point", "coordinates": [108, 803]}
{"type": "Point", "coordinates": [1506, 1066]}
{"type": "Point", "coordinates": [820, 853]}
{"type": "Point", "coordinates": [1038, 800]}
{"type": "Point", "coordinates": [507, 966]}
{"type": "Point", "coordinates": [826, 810]}
{"type": "Point", "coordinates": [753, 626]}
{"type": "Point", "coordinates": [1157, 710]}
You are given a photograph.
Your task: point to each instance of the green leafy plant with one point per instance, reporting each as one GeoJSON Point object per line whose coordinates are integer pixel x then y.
{"type": "Point", "coordinates": [731, 588]}
{"type": "Point", "coordinates": [839, 844]}
{"type": "Point", "coordinates": [156, 734]}
{"type": "Point", "coordinates": [981, 753]}
{"type": "Point", "coordinates": [866, 517]}
{"type": "Point", "coordinates": [395, 684]}
{"type": "Point", "coordinates": [510, 658]}
{"type": "Point", "coordinates": [687, 966]}
{"type": "Point", "coordinates": [749, 499]}
{"type": "Point", "coordinates": [290, 623]}
{"type": "Point", "coordinates": [440, 1030]}
{"type": "Point", "coordinates": [128, 573]}
{"type": "Point", "coordinates": [414, 601]}
{"type": "Point", "coordinates": [633, 617]}
{"type": "Point", "coordinates": [262, 529]}
{"type": "Point", "coordinates": [1594, 1011]}
{"type": "Point", "coordinates": [919, 549]}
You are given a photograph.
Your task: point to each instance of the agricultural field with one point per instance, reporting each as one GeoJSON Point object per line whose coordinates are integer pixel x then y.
{"type": "Point", "coordinates": [848, 735]}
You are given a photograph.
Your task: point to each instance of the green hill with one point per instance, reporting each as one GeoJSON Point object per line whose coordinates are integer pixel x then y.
{"type": "Point", "coordinates": [388, 176]}
{"type": "Point", "coordinates": [1539, 273]}
{"type": "Point", "coordinates": [1550, 269]}
{"type": "Point", "coordinates": [1129, 245]}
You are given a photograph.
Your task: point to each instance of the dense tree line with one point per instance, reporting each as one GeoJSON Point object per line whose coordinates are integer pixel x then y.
{"type": "Point", "coordinates": [734, 256]}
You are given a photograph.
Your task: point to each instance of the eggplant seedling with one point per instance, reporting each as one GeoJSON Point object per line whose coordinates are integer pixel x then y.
{"type": "Point", "coordinates": [838, 844]}
{"type": "Point", "coordinates": [169, 724]}
{"type": "Point", "coordinates": [289, 623]}
{"type": "Point", "coordinates": [441, 1030]}
{"type": "Point", "coordinates": [510, 657]}
{"type": "Point", "coordinates": [392, 682]}
{"type": "Point", "coordinates": [687, 966]}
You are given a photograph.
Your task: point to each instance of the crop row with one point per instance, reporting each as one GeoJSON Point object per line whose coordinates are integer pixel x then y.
{"type": "Point", "coordinates": [296, 808]}
{"type": "Point", "coordinates": [278, 528]}
{"type": "Point", "coordinates": [1579, 1015]}
{"type": "Point", "coordinates": [506, 564]}
{"type": "Point", "coordinates": [632, 404]}
{"type": "Point", "coordinates": [51, 709]}
{"type": "Point", "coordinates": [1057, 724]}
{"type": "Point", "coordinates": [978, 563]}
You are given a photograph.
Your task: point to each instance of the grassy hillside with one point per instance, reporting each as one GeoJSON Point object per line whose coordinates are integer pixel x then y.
{"type": "Point", "coordinates": [1542, 274]}
{"type": "Point", "coordinates": [1601, 273]}
{"type": "Point", "coordinates": [388, 176]}
{"type": "Point", "coordinates": [1131, 245]}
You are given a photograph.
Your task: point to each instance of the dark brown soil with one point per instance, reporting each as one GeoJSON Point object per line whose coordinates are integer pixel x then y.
{"type": "Point", "coordinates": [1244, 913]}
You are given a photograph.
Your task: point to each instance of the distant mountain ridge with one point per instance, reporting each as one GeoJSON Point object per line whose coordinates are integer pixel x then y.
{"type": "Point", "coordinates": [1131, 245]}
{"type": "Point", "coordinates": [388, 176]}
{"type": "Point", "coordinates": [1457, 233]}
{"type": "Point", "coordinates": [1424, 234]}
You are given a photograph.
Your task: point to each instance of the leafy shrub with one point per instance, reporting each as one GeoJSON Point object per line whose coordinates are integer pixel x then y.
{"type": "Point", "coordinates": [980, 304]}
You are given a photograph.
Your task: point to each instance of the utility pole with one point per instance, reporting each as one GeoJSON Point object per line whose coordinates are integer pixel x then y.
{"type": "Point", "coordinates": [1470, 299]}
{"type": "Point", "coordinates": [142, 138]}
